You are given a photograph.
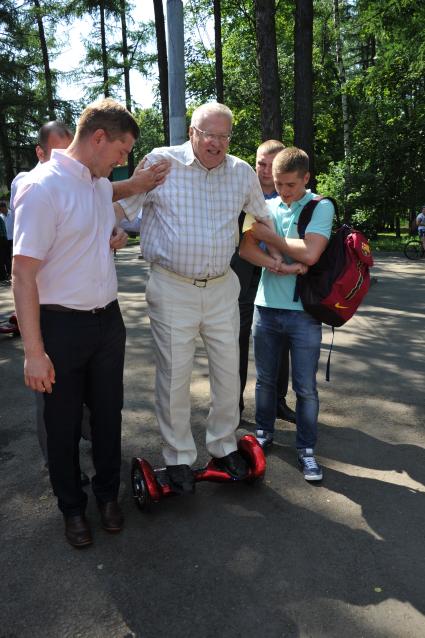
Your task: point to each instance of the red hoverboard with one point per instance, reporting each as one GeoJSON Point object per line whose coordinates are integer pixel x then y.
{"type": "Point", "coordinates": [10, 327]}
{"type": "Point", "coordinates": [150, 485]}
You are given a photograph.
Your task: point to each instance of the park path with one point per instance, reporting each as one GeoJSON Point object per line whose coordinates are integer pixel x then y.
{"type": "Point", "coordinates": [279, 559]}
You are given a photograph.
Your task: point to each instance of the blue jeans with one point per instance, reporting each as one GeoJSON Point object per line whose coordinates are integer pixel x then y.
{"type": "Point", "coordinates": [305, 335]}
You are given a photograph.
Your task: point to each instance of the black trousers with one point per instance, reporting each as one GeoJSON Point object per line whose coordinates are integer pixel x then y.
{"type": "Point", "coordinates": [249, 278]}
{"type": "Point", "coordinates": [9, 256]}
{"type": "Point", "coordinates": [5, 264]}
{"type": "Point", "coordinates": [87, 351]}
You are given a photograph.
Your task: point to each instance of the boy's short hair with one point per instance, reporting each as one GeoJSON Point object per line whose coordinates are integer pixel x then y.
{"type": "Point", "coordinates": [109, 116]}
{"type": "Point", "coordinates": [47, 129]}
{"type": "Point", "coordinates": [291, 159]}
{"type": "Point", "coordinates": [3, 204]}
{"type": "Point", "coordinates": [269, 147]}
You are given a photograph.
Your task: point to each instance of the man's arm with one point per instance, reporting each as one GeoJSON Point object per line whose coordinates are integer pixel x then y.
{"type": "Point", "coordinates": [251, 251]}
{"type": "Point", "coordinates": [39, 372]}
{"type": "Point", "coordinates": [307, 250]}
{"type": "Point", "coordinates": [142, 180]}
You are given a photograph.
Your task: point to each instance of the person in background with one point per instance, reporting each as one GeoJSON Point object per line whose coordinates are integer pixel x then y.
{"type": "Point", "coordinates": [249, 278]}
{"type": "Point", "coordinates": [420, 223]}
{"type": "Point", "coordinates": [7, 216]}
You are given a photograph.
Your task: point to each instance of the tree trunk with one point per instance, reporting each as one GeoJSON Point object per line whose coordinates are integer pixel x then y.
{"type": "Point", "coordinates": [45, 53]}
{"type": "Point", "coordinates": [219, 82]}
{"type": "Point", "coordinates": [126, 67]}
{"type": "Point", "coordinates": [342, 79]}
{"type": "Point", "coordinates": [344, 106]}
{"type": "Point", "coordinates": [162, 66]}
{"type": "Point", "coordinates": [303, 71]}
{"type": "Point", "coordinates": [6, 151]}
{"type": "Point", "coordinates": [125, 60]}
{"type": "Point", "coordinates": [265, 28]}
{"type": "Point", "coordinates": [397, 227]}
{"type": "Point", "coordinates": [104, 50]}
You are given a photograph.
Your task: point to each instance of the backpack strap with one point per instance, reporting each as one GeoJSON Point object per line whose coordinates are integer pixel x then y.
{"type": "Point", "coordinates": [304, 220]}
{"type": "Point", "coordinates": [306, 215]}
{"type": "Point", "coordinates": [328, 365]}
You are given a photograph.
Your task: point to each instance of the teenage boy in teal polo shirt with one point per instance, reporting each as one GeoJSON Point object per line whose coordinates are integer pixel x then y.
{"type": "Point", "coordinates": [277, 315]}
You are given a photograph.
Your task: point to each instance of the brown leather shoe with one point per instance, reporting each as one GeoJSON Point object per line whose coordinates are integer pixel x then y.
{"type": "Point", "coordinates": [111, 516]}
{"type": "Point", "coordinates": [77, 531]}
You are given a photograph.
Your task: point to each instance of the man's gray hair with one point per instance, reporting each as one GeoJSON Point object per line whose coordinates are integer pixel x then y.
{"type": "Point", "coordinates": [211, 108]}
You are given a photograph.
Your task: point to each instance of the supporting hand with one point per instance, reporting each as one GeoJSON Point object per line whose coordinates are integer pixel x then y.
{"type": "Point", "coordinates": [145, 179]}
{"type": "Point", "coordinates": [118, 238]}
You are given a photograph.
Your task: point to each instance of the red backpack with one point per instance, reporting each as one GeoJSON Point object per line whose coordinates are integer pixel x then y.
{"type": "Point", "coordinates": [332, 289]}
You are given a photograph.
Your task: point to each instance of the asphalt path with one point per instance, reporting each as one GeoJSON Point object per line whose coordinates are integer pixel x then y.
{"type": "Point", "coordinates": [281, 558]}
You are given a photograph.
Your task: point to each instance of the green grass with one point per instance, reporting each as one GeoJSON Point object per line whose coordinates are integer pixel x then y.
{"type": "Point", "coordinates": [133, 241]}
{"type": "Point", "coordinates": [388, 242]}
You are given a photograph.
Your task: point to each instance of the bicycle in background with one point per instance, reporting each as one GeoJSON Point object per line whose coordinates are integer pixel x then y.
{"type": "Point", "coordinates": [413, 249]}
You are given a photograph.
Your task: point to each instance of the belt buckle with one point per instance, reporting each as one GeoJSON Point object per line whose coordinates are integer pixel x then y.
{"type": "Point", "coordinates": [200, 283]}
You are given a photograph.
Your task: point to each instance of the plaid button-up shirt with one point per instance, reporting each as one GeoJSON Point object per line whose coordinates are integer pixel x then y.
{"type": "Point", "coordinates": [189, 224]}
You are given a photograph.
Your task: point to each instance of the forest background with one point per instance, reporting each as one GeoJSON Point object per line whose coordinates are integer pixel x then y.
{"type": "Point", "coordinates": [343, 79]}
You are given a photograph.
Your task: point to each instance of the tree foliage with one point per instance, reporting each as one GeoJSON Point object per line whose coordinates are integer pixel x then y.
{"type": "Point", "coordinates": [368, 85]}
{"type": "Point", "coordinates": [28, 95]}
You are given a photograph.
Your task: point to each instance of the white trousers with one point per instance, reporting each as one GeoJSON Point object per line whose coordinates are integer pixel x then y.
{"type": "Point", "coordinates": [179, 312]}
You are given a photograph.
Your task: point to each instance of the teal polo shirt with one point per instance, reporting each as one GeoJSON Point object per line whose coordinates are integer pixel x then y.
{"type": "Point", "coordinates": [277, 291]}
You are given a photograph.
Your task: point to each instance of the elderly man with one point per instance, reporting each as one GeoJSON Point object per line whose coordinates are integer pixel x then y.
{"type": "Point", "coordinates": [188, 234]}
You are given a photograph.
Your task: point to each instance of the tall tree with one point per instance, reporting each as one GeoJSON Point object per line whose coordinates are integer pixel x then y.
{"type": "Point", "coordinates": [303, 74]}
{"type": "Point", "coordinates": [341, 76]}
{"type": "Point", "coordinates": [219, 80]}
{"type": "Point", "coordinates": [97, 46]}
{"type": "Point", "coordinates": [106, 90]}
{"type": "Point", "coordinates": [46, 62]}
{"type": "Point", "coordinates": [265, 28]}
{"type": "Point", "coordinates": [125, 56]}
{"type": "Point", "coordinates": [23, 103]}
{"type": "Point", "coordinates": [126, 68]}
{"type": "Point", "coordinates": [6, 151]}
{"type": "Point", "coordinates": [161, 44]}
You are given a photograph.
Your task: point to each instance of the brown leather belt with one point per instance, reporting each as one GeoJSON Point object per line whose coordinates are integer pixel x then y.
{"type": "Point", "coordinates": [199, 283]}
{"type": "Point", "coordinates": [51, 307]}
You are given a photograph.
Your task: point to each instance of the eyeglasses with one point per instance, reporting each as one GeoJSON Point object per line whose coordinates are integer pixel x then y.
{"type": "Point", "coordinates": [213, 136]}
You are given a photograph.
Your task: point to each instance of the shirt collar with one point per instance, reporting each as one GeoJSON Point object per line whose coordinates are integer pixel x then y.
{"type": "Point", "coordinates": [72, 165]}
{"type": "Point", "coordinates": [270, 195]}
{"type": "Point", "coordinates": [183, 153]}
{"type": "Point", "coordinates": [299, 203]}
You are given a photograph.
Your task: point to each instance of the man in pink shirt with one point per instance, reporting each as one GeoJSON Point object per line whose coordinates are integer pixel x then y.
{"type": "Point", "coordinates": [65, 290]}
{"type": "Point", "coordinates": [56, 135]}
